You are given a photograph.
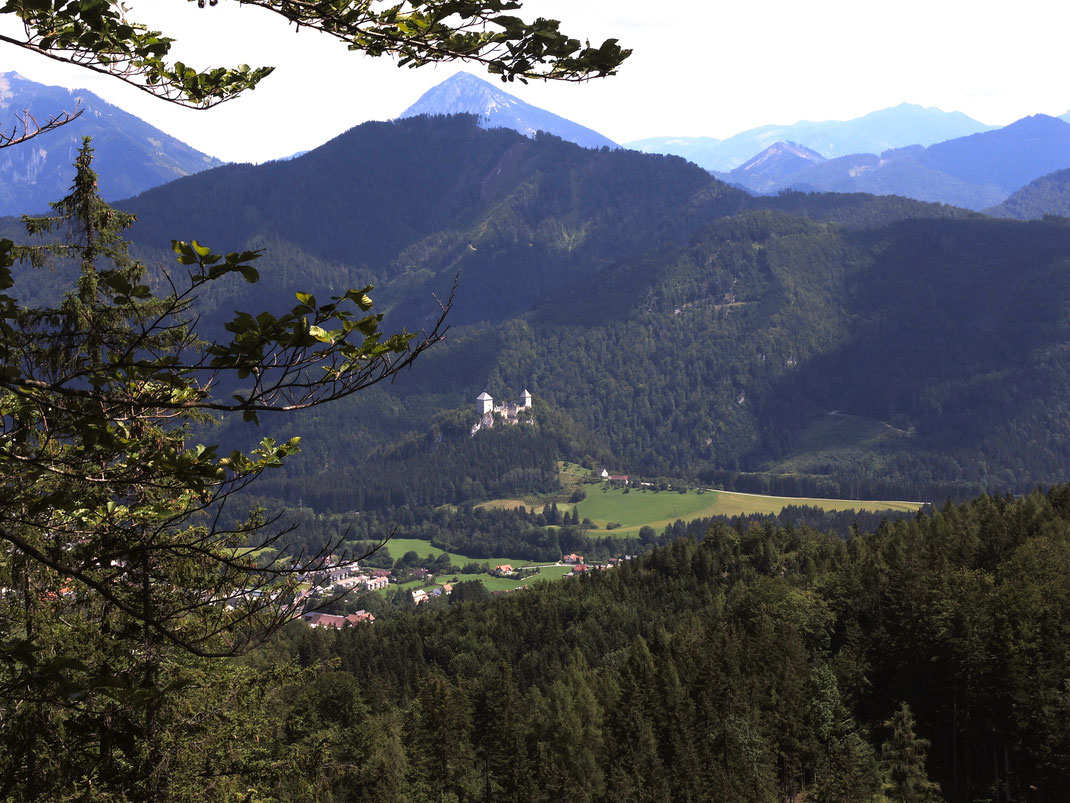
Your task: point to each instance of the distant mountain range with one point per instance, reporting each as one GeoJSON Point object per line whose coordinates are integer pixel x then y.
{"type": "Point", "coordinates": [463, 93]}
{"type": "Point", "coordinates": [772, 167]}
{"type": "Point", "coordinates": [896, 127]}
{"type": "Point", "coordinates": [131, 155]}
{"type": "Point", "coordinates": [974, 172]}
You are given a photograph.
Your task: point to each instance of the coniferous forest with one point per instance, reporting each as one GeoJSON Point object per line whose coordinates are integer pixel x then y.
{"type": "Point", "coordinates": [923, 661]}
{"type": "Point", "coordinates": [926, 660]}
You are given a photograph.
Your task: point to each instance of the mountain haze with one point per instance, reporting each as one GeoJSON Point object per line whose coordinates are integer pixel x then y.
{"type": "Point", "coordinates": [130, 155]}
{"type": "Point", "coordinates": [975, 172]}
{"type": "Point", "coordinates": [895, 127]}
{"type": "Point", "coordinates": [1008, 157]}
{"type": "Point", "coordinates": [769, 169]}
{"type": "Point", "coordinates": [464, 93]}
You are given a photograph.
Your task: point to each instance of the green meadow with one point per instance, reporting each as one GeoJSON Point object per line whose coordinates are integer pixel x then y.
{"type": "Point", "coordinates": [507, 583]}
{"type": "Point", "coordinates": [399, 546]}
{"type": "Point", "coordinates": [657, 509]}
{"type": "Point", "coordinates": [492, 583]}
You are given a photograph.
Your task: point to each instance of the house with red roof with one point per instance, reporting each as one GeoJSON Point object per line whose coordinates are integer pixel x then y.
{"type": "Point", "coordinates": [318, 619]}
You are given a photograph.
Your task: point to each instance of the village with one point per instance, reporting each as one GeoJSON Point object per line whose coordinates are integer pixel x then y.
{"type": "Point", "coordinates": [339, 578]}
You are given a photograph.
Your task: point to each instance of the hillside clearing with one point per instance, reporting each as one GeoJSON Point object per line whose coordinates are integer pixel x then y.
{"type": "Point", "coordinates": [658, 509]}
{"type": "Point", "coordinates": [399, 546]}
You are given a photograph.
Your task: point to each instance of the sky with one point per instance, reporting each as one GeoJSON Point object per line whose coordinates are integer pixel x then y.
{"type": "Point", "coordinates": [700, 68]}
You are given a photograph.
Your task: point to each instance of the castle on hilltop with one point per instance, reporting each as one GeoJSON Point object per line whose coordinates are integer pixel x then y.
{"type": "Point", "coordinates": [510, 412]}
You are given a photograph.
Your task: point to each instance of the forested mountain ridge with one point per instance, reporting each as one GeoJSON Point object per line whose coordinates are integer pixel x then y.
{"type": "Point", "coordinates": [662, 316]}
{"type": "Point", "coordinates": [1047, 195]}
{"type": "Point", "coordinates": [474, 200]}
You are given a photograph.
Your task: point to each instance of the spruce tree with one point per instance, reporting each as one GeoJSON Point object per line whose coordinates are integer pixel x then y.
{"type": "Point", "coordinates": [903, 756]}
{"type": "Point", "coordinates": [120, 576]}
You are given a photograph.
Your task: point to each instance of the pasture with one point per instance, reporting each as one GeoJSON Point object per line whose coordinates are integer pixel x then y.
{"type": "Point", "coordinates": [399, 546]}
{"type": "Point", "coordinates": [658, 509]}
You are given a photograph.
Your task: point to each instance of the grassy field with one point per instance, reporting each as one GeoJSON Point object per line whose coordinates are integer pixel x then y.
{"type": "Point", "coordinates": [504, 504]}
{"type": "Point", "coordinates": [492, 583]}
{"type": "Point", "coordinates": [399, 546]}
{"type": "Point", "coordinates": [573, 468]}
{"type": "Point", "coordinates": [507, 584]}
{"type": "Point", "coordinates": [658, 509]}
{"type": "Point", "coordinates": [636, 508]}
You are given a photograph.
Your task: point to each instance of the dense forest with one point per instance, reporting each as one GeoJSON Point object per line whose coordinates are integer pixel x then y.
{"type": "Point", "coordinates": [925, 660]}
{"type": "Point", "coordinates": [1047, 195]}
{"type": "Point", "coordinates": [759, 663]}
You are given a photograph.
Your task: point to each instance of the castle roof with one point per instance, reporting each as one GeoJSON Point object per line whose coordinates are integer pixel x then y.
{"type": "Point", "coordinates": [484, 396]}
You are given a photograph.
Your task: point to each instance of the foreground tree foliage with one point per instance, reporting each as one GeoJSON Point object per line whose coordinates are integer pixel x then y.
{"type": "Point", "coordinates": [115, 568]}
{"type": "Point", "coordinates": [119, 581]}
{"type": "Point", "coordinates": [101, 37]}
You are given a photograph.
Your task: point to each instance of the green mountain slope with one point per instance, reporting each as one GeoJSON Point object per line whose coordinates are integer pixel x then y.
{"type": "Point", "coordinates": [1048, 195]}
{"type": "Point", "coordinates": [658, 315]}
{"type": "Point", "coordinates": [410, 203]}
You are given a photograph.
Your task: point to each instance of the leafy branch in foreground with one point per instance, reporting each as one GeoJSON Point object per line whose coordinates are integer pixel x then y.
{"type": "Point", "coordinates": [98, 35]}
{"type": "Point", "coordinates": [104, 499]}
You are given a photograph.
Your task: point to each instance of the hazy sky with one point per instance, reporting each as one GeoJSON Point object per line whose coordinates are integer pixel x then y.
{"type": "Point", "coordinates": [700, 68]}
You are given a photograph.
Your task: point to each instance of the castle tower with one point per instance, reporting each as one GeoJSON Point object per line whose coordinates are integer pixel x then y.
{"type": "Point", "coordinates": [484, 403]}
{"type": "Point", "coordinates": [525, 399]}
